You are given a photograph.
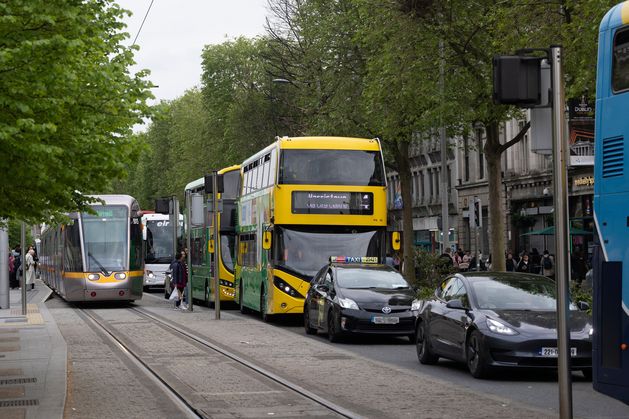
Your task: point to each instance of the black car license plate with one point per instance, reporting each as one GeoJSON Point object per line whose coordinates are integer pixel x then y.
{"type": "Point", "coordinates": [385, 320]}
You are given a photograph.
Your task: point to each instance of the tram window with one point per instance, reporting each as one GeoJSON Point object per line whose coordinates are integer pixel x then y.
{"type": "Point", "coordinates": [72, 261]}
{"type": "Point", "coordinates": [620, 65]}
{"type": "Point", "coordinates": [135, 257]}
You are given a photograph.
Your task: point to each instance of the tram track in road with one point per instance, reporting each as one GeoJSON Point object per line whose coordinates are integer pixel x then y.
{"type": "Point", "coordinates": [178, 399]}
{"type": "Point", "coordinates": [189, 404]}
{"type": "Point", "coordinates": [252, 366]}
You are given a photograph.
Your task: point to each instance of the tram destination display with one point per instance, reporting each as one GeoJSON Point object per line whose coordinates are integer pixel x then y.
{"type": "Point", "coordinates": [320, 202]}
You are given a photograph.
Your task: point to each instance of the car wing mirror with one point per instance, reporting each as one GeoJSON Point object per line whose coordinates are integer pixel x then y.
{"type": "Point", "coordinates": [323, 288]}
{"type": "Point", "coordinates": [455, 304]}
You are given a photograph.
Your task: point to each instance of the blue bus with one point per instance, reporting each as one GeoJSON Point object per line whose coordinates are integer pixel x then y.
{"type": "Point", "coordinates": [611, 208]}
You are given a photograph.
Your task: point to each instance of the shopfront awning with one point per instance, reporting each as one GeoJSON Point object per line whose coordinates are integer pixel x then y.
{"type": "Point", "coordinates": [550, 231]}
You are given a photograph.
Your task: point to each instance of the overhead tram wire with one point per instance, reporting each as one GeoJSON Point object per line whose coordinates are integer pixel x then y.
{"type": "Point", "coordinates": [142, 24]}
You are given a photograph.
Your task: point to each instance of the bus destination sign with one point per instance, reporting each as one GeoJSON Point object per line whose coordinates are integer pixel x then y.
{"type": "Point", "coordinates": [346, 203]}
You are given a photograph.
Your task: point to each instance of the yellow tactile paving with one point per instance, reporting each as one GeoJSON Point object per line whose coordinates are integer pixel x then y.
{"type": "Point", "coordinates": [33, 317]}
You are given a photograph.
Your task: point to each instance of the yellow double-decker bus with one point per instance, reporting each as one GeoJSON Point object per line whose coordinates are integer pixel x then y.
{"type": "Point", "coordinates": [303, 200]}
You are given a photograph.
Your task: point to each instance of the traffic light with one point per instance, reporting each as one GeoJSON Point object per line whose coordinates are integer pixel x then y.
{"type": "Point", "coordinates": [478, 212]}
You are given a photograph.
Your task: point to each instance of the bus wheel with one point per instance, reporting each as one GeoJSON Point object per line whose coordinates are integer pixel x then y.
{"type": "Point", "coordinates": [265, 316]}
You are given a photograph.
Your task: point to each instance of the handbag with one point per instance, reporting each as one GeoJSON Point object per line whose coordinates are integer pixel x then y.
{"type": "Point", "coordinates": [174, 296]}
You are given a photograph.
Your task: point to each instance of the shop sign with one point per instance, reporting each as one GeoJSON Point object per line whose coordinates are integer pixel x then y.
{"type": "Point", "coordinates": [580, 108]}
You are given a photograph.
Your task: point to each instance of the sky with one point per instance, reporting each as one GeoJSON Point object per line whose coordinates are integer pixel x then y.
{"type": "Point", "coordinates": [176, 31]}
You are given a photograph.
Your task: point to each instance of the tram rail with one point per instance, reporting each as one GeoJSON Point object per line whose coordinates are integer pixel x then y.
{"type": "Point", "coordinates": [186, 406]}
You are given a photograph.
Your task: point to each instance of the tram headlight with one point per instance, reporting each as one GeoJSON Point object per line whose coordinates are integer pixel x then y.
{"type": "Point", "coordinates": [93, 277]}
{"type": "Point", "coordinates": [120, 276]}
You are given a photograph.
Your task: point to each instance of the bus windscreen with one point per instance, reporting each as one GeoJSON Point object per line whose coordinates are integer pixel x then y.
{"type": "Point", "coordinates": [159, 242]}
{"type": "Point", "coordinates": [331, 167]}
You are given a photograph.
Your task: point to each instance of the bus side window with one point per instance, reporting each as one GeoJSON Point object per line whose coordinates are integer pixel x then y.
{"type": "Point", "coordinates": [620, 66]}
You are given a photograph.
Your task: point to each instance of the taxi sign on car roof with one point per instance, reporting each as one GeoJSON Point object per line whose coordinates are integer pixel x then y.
{"type": "Point", "coordinates": [354, 259]}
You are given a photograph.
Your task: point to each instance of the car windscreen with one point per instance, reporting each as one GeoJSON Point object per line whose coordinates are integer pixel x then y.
{"type": "Point", "coordinates": [374, 277]}
{"type": "Point", "coordinates": [526, 293]}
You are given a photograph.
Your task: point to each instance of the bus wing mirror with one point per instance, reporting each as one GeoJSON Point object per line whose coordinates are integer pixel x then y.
{"type": "Point", "coordinates": [395, 240]}
{"type": "Point", "coordinates": [266, 240]}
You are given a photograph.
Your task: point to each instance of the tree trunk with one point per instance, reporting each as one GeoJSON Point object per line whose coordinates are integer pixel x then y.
{"type": "Point", "coordinates": [408, 249]}
{"type": "Point", "coordinates": [493, 151]}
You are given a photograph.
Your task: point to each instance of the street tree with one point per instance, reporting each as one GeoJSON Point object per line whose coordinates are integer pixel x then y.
{"type": "Point", "coordinates": [473, 33]}
{"type": "Point", "coordinates": [69, 101]}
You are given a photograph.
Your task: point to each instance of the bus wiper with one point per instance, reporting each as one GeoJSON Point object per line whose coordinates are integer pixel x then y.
{"type": "Point", "coordinates": [102, 268]}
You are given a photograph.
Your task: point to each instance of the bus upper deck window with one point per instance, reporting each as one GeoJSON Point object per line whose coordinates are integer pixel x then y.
{"type": "Point", "coordinates": [620, 66]}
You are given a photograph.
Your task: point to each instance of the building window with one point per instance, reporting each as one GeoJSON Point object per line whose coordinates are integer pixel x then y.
{"type": "Point", "coordinates": [481, 157]}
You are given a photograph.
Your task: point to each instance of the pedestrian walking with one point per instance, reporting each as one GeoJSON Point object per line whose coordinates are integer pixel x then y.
{"type": "Point", "coordinates": [464, 264]}
{"type": "Point", "coordinates": [12, 274]}
{"type": "Point", "coordinates": [179, 279]}
{"type": "Point", "coordinates": [535, 261]}
{"type": "Point", "coordinates": [548, 265]}
{"type": "Point", "coordinates": [17, 264]}
{"type": "Point", "coordinates": [29, 268]}
{"type": "Point", "coordinates": [524, 265]}
{"type": "Point", "coordinates": [511, 264]}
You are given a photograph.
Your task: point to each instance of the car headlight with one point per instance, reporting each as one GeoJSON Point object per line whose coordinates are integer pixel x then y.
{"type": "Point", "coordinates": [591, 332]}
{"type": "Point", "coordinates": [150, 274]}
{"type": "Point", "coordinates": [501, 329]}
{"type": "Point", "coordinates": [416, 305]}
{"type": "Point", "coordinates": [348, 303]}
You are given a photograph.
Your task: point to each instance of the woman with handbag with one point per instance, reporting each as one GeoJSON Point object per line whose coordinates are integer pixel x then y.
{"type": "Point", "coordinates": [179, 281]}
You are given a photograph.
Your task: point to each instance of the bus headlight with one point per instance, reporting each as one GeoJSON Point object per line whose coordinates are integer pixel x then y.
{"type": "Point", "coordinates": [93, 277]}
{"type": "Point", "coordinates": [282, 285]}
{"type": "Point", "coordinates": [120, 276]}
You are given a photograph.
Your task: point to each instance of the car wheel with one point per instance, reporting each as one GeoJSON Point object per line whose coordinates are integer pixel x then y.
{"type": "Point", "coordinates": [422, 344]}
{"type": "Point", "coordinates": [587, 373]}
{"type": "Point", "coordinates": [309, 330]}
{"type": "Point", "coordinates": [476, 362]}
{"type": "Point", "coordinates": [243, 309]}
{"type": "Point", "coordinates": [263, 314]}
{"type": "Point", "coordinates": [334, 331]}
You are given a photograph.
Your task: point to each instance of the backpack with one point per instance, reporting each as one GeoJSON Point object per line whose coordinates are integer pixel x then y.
{"type": "Point", "coordinates": [547, 264]}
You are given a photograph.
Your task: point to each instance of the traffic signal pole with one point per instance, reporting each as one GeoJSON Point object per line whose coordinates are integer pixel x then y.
{"type": "Point", "coordinates": [560, 183]}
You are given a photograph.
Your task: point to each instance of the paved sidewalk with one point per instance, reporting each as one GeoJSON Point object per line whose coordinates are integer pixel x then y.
{"type": "Point", "coordinates": [33, 359]}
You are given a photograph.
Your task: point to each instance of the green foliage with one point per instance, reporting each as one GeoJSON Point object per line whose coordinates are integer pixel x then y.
{"type": "Point", "coordinates": [431, 269]}
{"type": "Point", "coordinates": [15, 234]}
{"type": "Point", "coordinates": [68, 103]}
{"type": "Point", "coordinates": [579, 293]}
